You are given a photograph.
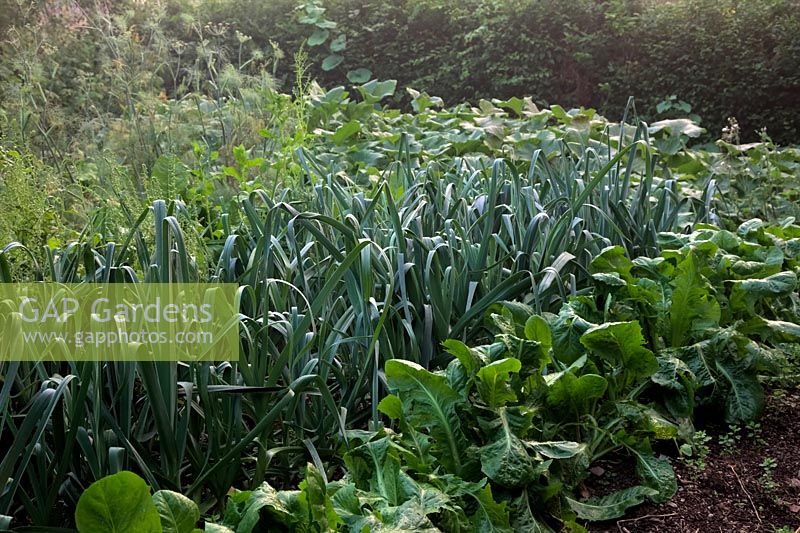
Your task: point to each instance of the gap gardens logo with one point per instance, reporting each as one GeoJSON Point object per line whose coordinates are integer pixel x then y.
{"type": "Point", "coordinates": [118, 322]}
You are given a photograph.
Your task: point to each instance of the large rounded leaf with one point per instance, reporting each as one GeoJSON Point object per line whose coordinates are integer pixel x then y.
{"type": "Point", "coordinates": [119, 503]}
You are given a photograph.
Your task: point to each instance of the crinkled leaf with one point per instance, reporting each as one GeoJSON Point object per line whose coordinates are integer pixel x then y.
{"type": "Point", "coordinates": [387, 480]}
{"type": "Point", "coordinates": [692, 307]}
{"type": "Point", "coordinates": [656, 473]}
{"type": "Point", "coordinates": [522, 516]}
{"type": "Point", "coordinates": [746, 293]}
{"type": "Point", "coordinates": [490, 516]}
{"type": "Point", "coordinates": [263, 497]}
{"type": "Point", "coordinates": [612, 260]}
{"type": "Point", "coordinates": [678, 385]}
{"type": "Point", "coordinates": [621, 343]}
{"type": "Point", "coordinates": [429, 403]}
{"type": "Point", "coordinates": [567, 329]}
{"type": "Point", "coordinates": [493, 382]}
{"type": "Point", "coordinates": [347, 505]}
{"type": "Point", "coordinates": [574, 394]}
{"type": "Point", "coordinates": [612, 506]}
{"type": "Point", "coordinates": [314, 499]}
{"type": "Point", "coordinates": [647, 419]}
{"type": "Point", "coordinates": [178, 513]}
{"type": "Point", "coordinates": [410, 516]}
{"type": "Point", "coordinates": [557, 449]}
{"type": "Point", "coordinates": [506, 461]}
{"type": "Point", "coordinates": [745, 400]}
{"type": "Point", "coordinates": [772, 330]}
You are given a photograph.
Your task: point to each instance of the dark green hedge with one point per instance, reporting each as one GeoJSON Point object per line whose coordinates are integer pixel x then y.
{"type": "Point", "coordinates": [726, 57]}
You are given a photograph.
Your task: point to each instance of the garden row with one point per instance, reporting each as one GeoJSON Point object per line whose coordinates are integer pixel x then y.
{"type": "Point", "coordinates": [447, 317]}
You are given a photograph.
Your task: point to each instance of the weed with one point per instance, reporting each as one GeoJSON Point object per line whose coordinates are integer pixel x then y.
{"type": "Point", "coordinates": [768, 467]}
{"type": "Point", "coordinates": [730, 439]}
{"type": "Point", "coordinates": [694, 455]}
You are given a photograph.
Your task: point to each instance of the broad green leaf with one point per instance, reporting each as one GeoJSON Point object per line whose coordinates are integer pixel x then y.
{"type": "Point", "coordinates": [409, 516]}
{"type": "Point", "coordinates": [339, 43]}
{"type": "Point", "coordinates": [677, 126]}
{"type": "Point", "coordinates": [647, 419]}
{"type": "Point", "coordinates": [575, 394]}
{"type": "Point", "coordinates": [692, 307]}
{"type": "Point", "coordinates": [120, 503]}
{"type": "Point", "coordinates": [611, 280]}
{"type": "Point", "coordinates": [331, 62]}
{"type": "Point", "coordinates": [493, 381]}
{"type": "Point", "coordinates": [612, 260]}
{"type": "Point", "coordinates": [216, 528]}
{"type": "Point", "coordinates": [422, 101]}
{"type": "Point", "coordinates": [391, 406]}
{"type": "Point", "coordinates": [561, 449]}
{"type": "Point", "coordinates": [621, 343]}
{"type": "Point", "coordinates": [178, 513]}
{"type": "Point", "coordinates": [678, 385]}
{"type": "Point", "coordinates": [347, 505]}
{"type": "Point", "coordinates": [745, 400]}
{"type": "Point", "coordinates": [612, 506]}
{"type": "Point", "coordinates": [522, 516]}
{"type": "Point", "coordinates": [374, 91]}
{"type": "Point", "coordinates": [458, 379]}
{"type": "Point", "coordinates": [467, 356]}
{"type": "Point", "coordinates": [265, 497]}
{"type": "Point", "coordinates": [537, 329]}
{"type": "Point", "coordinates": [430, 404]}
{"type": "Point", "coordinates": [359, 75]}
{"type": "Point", "coordinates": [318, 37]}
{"type": "Point", "coordinates": [386, 478]}
{"type": "Point", "coordinates": [490, 516]}
{"type": "Point", "coordinates": [345, 131]}
{"type": "Point", "coordinates": [750, 226]}
{"type": "Point", "coordinates": [506, 461]}
{"type": "Point", "coordinates": [746, 293]}
{"type": "Point", "coordinates": [656, 473]}
{"type": "Point", "coordinates": [772, 330]}
{"type": "Point", "coordinates": [314, 498]}
{"type": "Point", "coordinates": [567, 329]}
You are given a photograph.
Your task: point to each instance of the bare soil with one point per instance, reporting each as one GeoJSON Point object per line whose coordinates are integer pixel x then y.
{"type": "Point", "coordinates": [732, 494]}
